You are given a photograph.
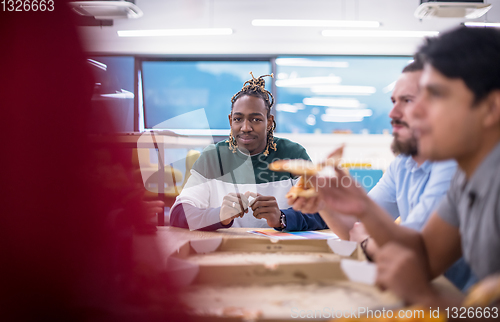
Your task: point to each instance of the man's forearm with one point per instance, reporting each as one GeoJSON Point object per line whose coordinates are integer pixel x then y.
{"type": "Point", "coordinates": [338, 223]}
{"type": "Point", "coordinates": [200, 219]}
{"type": "Point", "coordinates": [382, 229]}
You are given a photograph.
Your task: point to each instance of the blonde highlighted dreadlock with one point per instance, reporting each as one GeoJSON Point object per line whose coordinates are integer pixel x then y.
{"type": "Point", "coordinates": [256, 87]}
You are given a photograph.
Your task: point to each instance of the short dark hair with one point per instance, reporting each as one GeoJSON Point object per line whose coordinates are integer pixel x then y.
{"type": "Point", "coordinates": [471, 54]}
{"type": "Point", "coordinates": [415, 66]}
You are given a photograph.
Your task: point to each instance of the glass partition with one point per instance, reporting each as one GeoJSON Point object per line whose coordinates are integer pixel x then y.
{"type": "Point", "coordinates": [336, 94]}
{"type": "Point", "coordinates": [112, 106]}
{"type": "Point", "coordinates": [173, 89]}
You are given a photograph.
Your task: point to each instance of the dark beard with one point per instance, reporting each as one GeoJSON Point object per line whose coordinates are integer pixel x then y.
{"type": "Point", "coordinates": [408, 148]}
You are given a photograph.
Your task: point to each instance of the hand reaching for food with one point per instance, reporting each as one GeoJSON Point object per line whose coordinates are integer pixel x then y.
{"type": "Point", "coordinates": [307, 170]}
{"type": "Point", "coordinates": [341, 193]}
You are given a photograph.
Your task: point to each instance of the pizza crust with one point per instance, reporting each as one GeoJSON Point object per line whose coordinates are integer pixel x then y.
{"type": "Point", "coordinates": [296, 166]}
{"type": "Point", "coordinates": [299, 190]}
{"type": "Point", "coordinates": [305, 168]}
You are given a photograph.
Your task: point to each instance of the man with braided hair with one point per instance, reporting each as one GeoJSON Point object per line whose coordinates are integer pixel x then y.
{"type": "Point", "coordinates": [230, 173]}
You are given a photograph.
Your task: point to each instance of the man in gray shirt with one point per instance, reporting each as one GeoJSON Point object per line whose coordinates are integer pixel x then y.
{"type": "Point", "coordinates": [473, 206]}
{"type": "Point", "coordinates": [456, 115]}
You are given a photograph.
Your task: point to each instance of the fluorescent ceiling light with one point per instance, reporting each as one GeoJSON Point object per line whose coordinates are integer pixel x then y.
{"type": "Point", "coordinates": [123, 94]}
{"type": "Point", "coordinates": [97, 64]}
{"type": "Point", "coordinates": [349, 112]}
{"type": "Point", "coordinates": [307, 81]}
{"type": "Point", "coordinates": [344, 90]}
{"type": "Point", "coordinates": [315, 23]}
{"type": "Point", "coordinates": [282, 76]}
{"type": "Point", "coordinates": [200, 132]}
{"type": "Point", "coordinates": [379, 33]}
{"type": "Point", "coordinates": [289, 108]}
{"type": "Point", "coordinates": [305, 62]}
{"type": "Point", "coordinates": [340, 119]}
{"type": "Point", "coordinates": [333, 102]}
{"type": "Point", "coordinates": [482, 24]}
{"type": "Point", "coordinates": [342, 115]}
{"type": "Point", "coordinates": [175, 32]}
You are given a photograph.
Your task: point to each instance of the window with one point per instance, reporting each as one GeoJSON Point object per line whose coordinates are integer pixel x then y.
{"type": "Point", "coordinates": [336, 94]}
{"type": "Point", "coordinates": [112, 106]}
{"type": "Point", "coordinates": [184, 89]}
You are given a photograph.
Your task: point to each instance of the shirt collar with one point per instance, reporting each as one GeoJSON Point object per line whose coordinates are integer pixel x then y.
{"type": "Point", "coordinates": [412, 165]}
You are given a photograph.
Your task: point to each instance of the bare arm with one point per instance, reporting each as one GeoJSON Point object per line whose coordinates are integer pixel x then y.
{"type": "Point", "coordinates": [442, 244]}
{"type": "Point", "coordinates": [340, 198]}
{"type": "Point", "coordinates": [341, 194]}
{"type": "Point", "coordinates": [402, 271]}
{"type": "Point", "coordinates": [338, 223]}
{"type": "Point", "coordinates": [382, 229]}
{"type": "Point", "coordinates": [408, 273]}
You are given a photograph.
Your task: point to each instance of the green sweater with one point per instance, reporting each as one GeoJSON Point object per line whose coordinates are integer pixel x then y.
{"type": "Point", "coordinates": [219, 171]}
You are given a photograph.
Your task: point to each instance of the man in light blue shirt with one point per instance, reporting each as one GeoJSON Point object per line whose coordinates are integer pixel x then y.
{"type": "Point", "coordinates": [412, 191]}
{"type": "Point", "coordinates": [412, 186]}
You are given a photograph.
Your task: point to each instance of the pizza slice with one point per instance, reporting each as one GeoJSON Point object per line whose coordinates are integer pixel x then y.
{"type": "Point", "coordinates": [304, 169]}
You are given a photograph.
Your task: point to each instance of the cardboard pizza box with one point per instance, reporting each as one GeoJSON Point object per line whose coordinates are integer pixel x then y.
{"type": "Point", "coordinates": [257, 260]}
{"type": "Point", "coordinates": [263, 279]}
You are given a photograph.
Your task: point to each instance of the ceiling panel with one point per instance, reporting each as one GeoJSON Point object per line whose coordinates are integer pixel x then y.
{"type": "Point", "coordinates": [247, 39]}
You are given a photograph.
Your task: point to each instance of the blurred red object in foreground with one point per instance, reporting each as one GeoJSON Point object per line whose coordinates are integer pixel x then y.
{"type": "Point", "coordinates": [65, 239]}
